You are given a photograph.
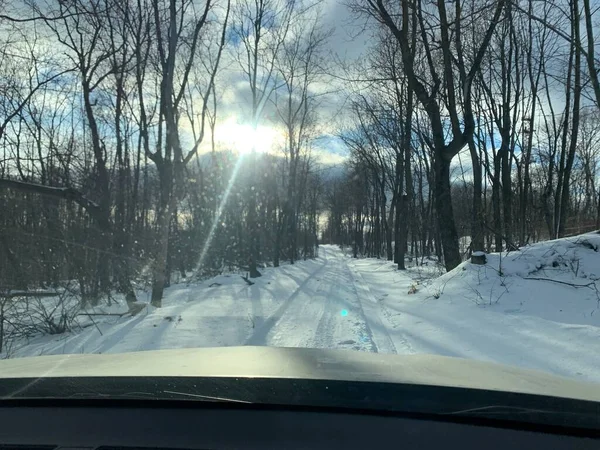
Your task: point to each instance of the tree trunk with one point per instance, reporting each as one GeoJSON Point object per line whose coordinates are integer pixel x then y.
{"type": "Point", "coordinates": [445, 213]}
{"type": "Point", "coordinates": [104, 238]}
{"type": "Point", "coordinates": [564, 198]}
{"type": "Point", "coordinates": [402, 231]}
{"type": "Point", "coordinates": [477, 215]}
{"type": "Point", "coordinates": [399, 228]}
{"type": "Point", "coordinates": [253, 231]}
{"type": "Point", "coordinates": [165, 208]}
{"type": "Point", "coordinates": [506, 192]}
{"type": "Point", "coordinates": [277, 246]}
{"type": "Point", "coordinates": [159, 279]}
{"type": "Point", "coordinates": [391, 223]}
{"type": "Point", "coordinates": [496, 209]}
{"type": "Point", "coordinates": [377, 225]}
{"type": "Point", "coordinates": [121, 240]}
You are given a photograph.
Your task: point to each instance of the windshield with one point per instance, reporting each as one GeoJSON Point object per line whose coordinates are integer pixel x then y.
{"type": "Point", "coordinates": [397, 177]}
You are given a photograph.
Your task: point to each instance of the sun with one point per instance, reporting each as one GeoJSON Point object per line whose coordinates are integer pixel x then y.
{"type": "Point", "coordinates": [243, 138]}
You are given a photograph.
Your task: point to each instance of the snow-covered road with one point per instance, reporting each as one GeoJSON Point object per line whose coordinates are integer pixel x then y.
{"type": "Point", "coordinates": [331, 308]}
{"type": "Point", "coordinates": [338, 302]}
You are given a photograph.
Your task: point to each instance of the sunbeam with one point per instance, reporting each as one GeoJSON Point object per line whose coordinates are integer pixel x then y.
{"type": "Point", "coordinates": [218, 215]}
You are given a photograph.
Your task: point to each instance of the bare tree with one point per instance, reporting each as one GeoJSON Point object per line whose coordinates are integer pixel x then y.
{"type": "Point", "coordinates": [178, 29]}
{"type": "Point", "coordinates": [300, 67]}
{"type": "Point", "coordinates": [261, 27]}
{"type": "Point", "coordinates": [459, 65]}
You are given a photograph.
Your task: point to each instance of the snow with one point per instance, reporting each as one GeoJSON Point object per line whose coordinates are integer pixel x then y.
{"type": "Point", "coordinates": [535, 308]}
{"type": "Point", "coordinates": [493, 313]}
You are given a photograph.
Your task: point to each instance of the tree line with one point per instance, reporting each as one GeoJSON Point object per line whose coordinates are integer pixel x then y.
{"type": "Point", "coordinates": [111, 176]}
{"type": "Point", "coordinates": [470, 125]}
{"type": "Point", "coordinates": [469, 121]}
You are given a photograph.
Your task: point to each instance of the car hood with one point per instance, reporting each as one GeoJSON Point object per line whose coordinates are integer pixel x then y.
{"type": "Point", "coordinates": [302, 363]}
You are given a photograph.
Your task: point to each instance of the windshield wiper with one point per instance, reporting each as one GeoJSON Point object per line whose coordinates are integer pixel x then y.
{"type": "Point", "coordinates": [506, 409]}
{"type": "Point", "coordinates": [206, 397]}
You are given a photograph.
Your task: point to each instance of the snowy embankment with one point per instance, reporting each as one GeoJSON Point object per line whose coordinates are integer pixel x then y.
{"type": "Point", "coordinates": [534, 308]}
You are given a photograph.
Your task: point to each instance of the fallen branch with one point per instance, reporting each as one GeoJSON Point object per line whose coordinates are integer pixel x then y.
{"type": "Point", "coordinates": [250, 283]}
{"type": "Point", "coordinates": [592, 285]}
{"type": "Point", "coordinates": [589, 285]}
{"type": "Point", "coordinates": [95, 324]}
{"type": "Point", "coordinates": [103, 314]}
{"type": "Point", "coordinates": [29, 294]}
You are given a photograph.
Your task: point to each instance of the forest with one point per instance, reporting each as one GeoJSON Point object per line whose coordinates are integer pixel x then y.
{"type": "Point", "coordinates": [467, 125]}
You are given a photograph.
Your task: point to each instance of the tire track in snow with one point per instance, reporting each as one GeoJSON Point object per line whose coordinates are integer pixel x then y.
{"type": "Point", "coordinates": [399, 335]}
{"type": "Point", "coordinates": [385, 320]}
{"type": "Point", "coordinates": [333, 328]}
{"type": "Point", "coordinates": [259, 336]}
{"type": "Point", "coordinates": [310, 316]}
{"type": "Point", "coordinates": [365, 332]}
{"type": "Point", "coordinates": [369, 307]}
{"type": "Point", "coordinates": [324, 331]}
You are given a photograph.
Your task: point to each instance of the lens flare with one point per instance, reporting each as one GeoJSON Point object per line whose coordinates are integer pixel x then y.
{"type": "Point", "coordinates": [218, 214]}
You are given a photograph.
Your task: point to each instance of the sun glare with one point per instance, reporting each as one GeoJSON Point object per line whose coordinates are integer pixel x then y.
{"type": "Point", "coordinates": [243, 138]}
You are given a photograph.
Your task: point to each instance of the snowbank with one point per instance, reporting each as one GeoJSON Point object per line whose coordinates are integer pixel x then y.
{"type": "Point", "coordinates": [536, 308]}
{"type": "Point", "coordinates": [556, 280]}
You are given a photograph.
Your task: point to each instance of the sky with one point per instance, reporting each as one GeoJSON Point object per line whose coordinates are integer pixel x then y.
{"type": "Point", "coordinates": [233, 131]}
{"type": "Point", "coordinates": [346, 44]}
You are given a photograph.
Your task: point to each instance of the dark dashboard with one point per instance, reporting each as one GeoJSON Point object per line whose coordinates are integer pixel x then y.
{"type": "Point", "coordinates": [218, 427]}
{"type": "Point", "coordinates": [223, 413]}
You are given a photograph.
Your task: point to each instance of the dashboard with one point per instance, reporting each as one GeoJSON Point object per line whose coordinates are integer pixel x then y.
{"type": "Point", "coordinates": [188, 425]}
